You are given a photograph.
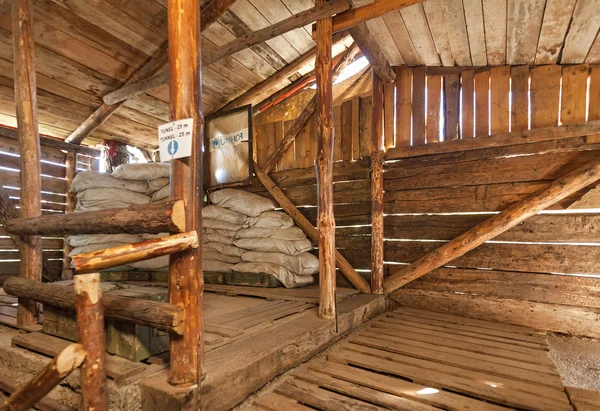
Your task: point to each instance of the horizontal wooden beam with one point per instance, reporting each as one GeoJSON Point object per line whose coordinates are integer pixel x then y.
{"type": "Point", "coordinates": [499, 140]}
{"type": "Point", "coordinates": [51, 375]}
{"type": "Point", "coordinates": [52, 143]}
{"type": "Point", "coordinates": [496, 225]}
{"type": "Point", "coordinates": [132, 253]}
{"type": "Point", "coordinates": [162, 316]}
{"type": "Point", "coordinates": [279, 196]}
{"type": "Point", "coordinates": [155, 218]}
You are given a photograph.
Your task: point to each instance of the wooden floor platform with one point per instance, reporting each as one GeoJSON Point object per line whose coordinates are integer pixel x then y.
{"type": "Point", "coordinates": [418, 360]}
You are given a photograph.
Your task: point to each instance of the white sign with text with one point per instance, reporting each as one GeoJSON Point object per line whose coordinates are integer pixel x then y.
{"type": "Point", "coordinates": [175, 139]}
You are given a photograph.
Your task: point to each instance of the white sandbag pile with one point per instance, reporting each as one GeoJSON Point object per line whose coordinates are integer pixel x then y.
{"type": "Point", "coordinates": [243, 233]}
{"type": "Point", "coordinates": [129, 184]}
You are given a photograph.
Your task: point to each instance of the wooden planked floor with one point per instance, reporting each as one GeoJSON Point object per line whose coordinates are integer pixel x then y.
{"type": "Point", "coordinates": [418, 360]}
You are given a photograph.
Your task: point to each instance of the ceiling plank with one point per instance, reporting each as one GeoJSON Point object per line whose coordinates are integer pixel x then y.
{"type": "Point", "coordinates": [494, 18]}
{"type": "Point", "coordinates": [524, 24]}
{"type": "Point", "coordinates": [582, 32]}
{"type": "Point", "coordinates": [557, 17]}
{"type": "Point", "coordinates": [435, 19]}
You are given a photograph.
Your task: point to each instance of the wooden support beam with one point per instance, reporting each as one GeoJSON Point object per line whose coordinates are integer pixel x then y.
{"type": "Point", "coordinates": [588, 128]}
{"type": "Point", "coordinates": [70, 203]}
{"type": "Point", "coordinates": [155, 218]}
{"type": "Point", "coordinates": [51, 375]}
{"type": "Point", "coordinates": [302, 222]}
{"type": "Point", "coordinates": [186, 280]}
{"type": "Point", "coordinates": [496, 225]}
{"type": "Point", "coordinates": [358, 15]}
{"type": "Point", "coordinates": [131, 253]}
{"type": "Point", "coordinates": [324, 168]}
{"type": "Point", "coordinates": [29, 146]}
{"type": "Point", "coordinates": [158, 64]}
{"type": "Point", "coordinates": [52, 143]}
{"type": "Point", "coordinates": [161, 316]}
{"type": "Point", "coordinates": [377, 155]}
{"type": "Point", "coordinates": [370, 48]}
{"type": "Point", "coordinates": [288, 139]}
{"type": "Point", "coordinates": [90, 326]}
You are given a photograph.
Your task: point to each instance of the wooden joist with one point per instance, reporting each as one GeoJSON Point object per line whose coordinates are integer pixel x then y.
{"type": "Point", "coordinates": [161, 316]}
{"type": "Point", "coordinates": [131, 253]}
{"type": "Point", "coordinates": [496, 225]}
{"type": "Point", "coordinates": [51, 375]}
{"type": "Point", "coordinates": [343, 264]}
{"type": "Point", "coordinates": [372, 51]}
{"type": "Point", "coordinates": [136, 219]}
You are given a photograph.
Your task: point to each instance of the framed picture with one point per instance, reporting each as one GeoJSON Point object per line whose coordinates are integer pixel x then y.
{"type": "Point", "coordinates": [228, 148]}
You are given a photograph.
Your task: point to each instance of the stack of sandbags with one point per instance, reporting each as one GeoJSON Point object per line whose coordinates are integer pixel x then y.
{"type": "Point", "coordinates": [129, 184]}
{"type": "Point", "coordinates": [274, 244]}
{"type": "Point", "coordinates": [219, 228]}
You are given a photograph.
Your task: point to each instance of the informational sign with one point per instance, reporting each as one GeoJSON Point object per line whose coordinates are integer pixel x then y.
{"type": "Point", "coordinates": [229, 148]}
{"type": "Point", "coordinates": [175, 139]}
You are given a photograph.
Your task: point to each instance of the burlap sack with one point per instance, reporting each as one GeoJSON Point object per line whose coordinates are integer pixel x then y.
{"type": "Point", "coordinates": [86, 180]}
{"type": "Point", "coordinates": [270, 245]}
{"type": "Point", "coordinates": [285, 276]}
{"type": "Point", "coordinates": [142, 171]}
{"type": "Point", "coordinates": [301, 264]}
{"type": "Point", "coordinates": [243, 202]}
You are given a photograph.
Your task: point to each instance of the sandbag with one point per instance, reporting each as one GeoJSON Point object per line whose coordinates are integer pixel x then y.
{"type": "Point", "coordinates": [87, 239]}
{"type": "Point", "coordinates": [285, 276]}
{"type": "Point", "coordinates": [151, 264]}
{"type": "Point", "coordinates": [271, 245]}
{"type": "Point", "coordinates": [302, 264]}
{"type": "Point", "coordinates": [271, 219]}
{"type": "Point", "coordinates": [101, 205]}
{"type": "Point", "coordinates": [86, 180]}
{"type": "Point", "coordinates": [156, 184]}
{"type": "Point", "coordinates": [243, 202]}
{"type": "Point", "coordinates": [210, 235]}
{"type": "Point", "coordinates": [220, 225]}
{"type": "Point", "coordinates": [218, 266]}
{"type": "Point", "coordinates": [162, 194]}
{"type": "Point", "coordinates": [230, 250]}
{"type": "Point", "coordinates": [93, 247]}
{"type": "Point", "coordinates": [220, 213]}
{"type": "Point", "coordinates": [111, 194]}
{"type": "Point", "coordinates": [290, 233]}
{"type": "Point", "coordinates": [217, 256]}
{"type": "Point", "coordinates": [142, 171]}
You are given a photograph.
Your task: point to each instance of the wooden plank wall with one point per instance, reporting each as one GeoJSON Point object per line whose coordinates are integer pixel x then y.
{"type": "Point", "coordinates": [54, 189]}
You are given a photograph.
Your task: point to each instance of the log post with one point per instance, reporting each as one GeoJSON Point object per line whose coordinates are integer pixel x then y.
{"type": "Point", "coordinates": [162, 316]}
{"type": "Point", "coordinates": [51, 375]}
{"type": "Point", "coordinates": [131, 253]}
{"type": "Point", "coordinates": [90, 325]}
{"type": "Point", "coordinates": [186, 280]}
{"type": "Point", "coordinates": [70, 171]}
{"type": "Point", "coordinates": [156, 218]}
{"type": "Point", "coordinates": [29, 148]}
{"type": "Point", "coordinates": [324, 168]}
{"type": "Point", "coordinates": [377, 155]}
{"type": "Point", "coordinates": [496, 225]}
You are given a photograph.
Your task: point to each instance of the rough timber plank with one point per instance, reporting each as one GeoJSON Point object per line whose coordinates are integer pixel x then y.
{"type": "Point", "coordinates": [403, 106]}
{"type": "Point", "coordinates": [467, 129]}
{"type": "Point", "coordinates": [434, 94]}
{"type": "Point", "coordinates": [557, 16]}
{"type": "Point", "coordinates": [494, 17]}
{"type": "Point", "coordinates": [499, 99]}
{"type": "Point", "coordinates": [545, 95]}
{"type": "Point", "coordinates": [582, 32]}
{"type": "Point", "coordinates": [584, 400]}
{"type": "Point", "coordinates": [519, 94]}
{"type": "Point", "coordinates": [482, 84]}
{"type": "Point", "coordinates": [573, 97]}
{"type": "Point", "coordinates": [418, 106]}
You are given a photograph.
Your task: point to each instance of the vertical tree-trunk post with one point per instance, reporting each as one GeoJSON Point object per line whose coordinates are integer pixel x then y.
{"type": "Point", "coordinates": [325, 219]}
{"type": "Point", "coordinates": [29, 148]}
{"type": "Point", "coordinates": [70, 170]}
{"type": "Point", "coordinates": [90, 324]}
{"type": "Point", "coordinates": [186, 282]}
{"type": "Point", "coordinates": [377, 154]}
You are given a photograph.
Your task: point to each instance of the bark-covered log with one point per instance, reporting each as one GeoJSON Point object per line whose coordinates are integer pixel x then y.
{"type": "Point", "coordinates": [131, 253]}
{"type": "Point", "coordinates": [162, 316]}
{"type": "Point", "coordinates": [90, 325]}
{"type": "Point", "coordinates": [136, 219]}
{"type": "Point", "coordinates": [302, 222]}
{"type": "Point", "coordinates": [496, 225]}
{"type": "Point", "coordinates": [51, 375]}
{"type": "Point", "coordinates": [29, 147]}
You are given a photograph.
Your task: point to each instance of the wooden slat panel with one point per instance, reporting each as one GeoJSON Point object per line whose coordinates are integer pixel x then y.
{"type": "Point", "coordinates": [434, 96]}
{"type": "Point", "coordinates": [482, 89]}
{"type": "Point", "coordinates": [418, 106]}
{"type": "Point", "coordinates": [545, 96]}
{"type": "Point", "coordinates": [451, 99]}
{"type": "Point", "coordinates": [337, 133]}
{"type": "Point", "coordinates": [49, 169]}
{"type": "Point", "coordinates": [53, 155]}
{"type": "Point", "coordinates": [389, 108]}
{"type": "Point", "coordinates": [365, 126]}
{"type": "Point", "coordinates": [467, 129]}
{"type": "Point", "coordinates": [519, 91]}
{"type": "Point", "coordinates": [403, 106]}
{"type": "Point", "coordinates": [574, 88]}
{"type": "Point", "coordinates": [53, 185]}
{"type": "Point", "coordinates": [543, 288]}
{"type": "Point", "coordinates": [279, 132]}
{"type": "Point", "coordinates": [594, 110]}
{"type": "Point", "coordinates": [355, 128]}
{"type": "Point", "coordinates": [347, 121]}
{"type": "Point", "coordinates": [499, 96]}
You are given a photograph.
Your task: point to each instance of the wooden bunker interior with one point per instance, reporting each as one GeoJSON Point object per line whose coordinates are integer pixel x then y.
{"type": "Point", "coordinates": [449, 185]}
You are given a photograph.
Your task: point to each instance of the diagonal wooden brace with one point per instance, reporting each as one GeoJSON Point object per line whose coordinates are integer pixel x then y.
{"type": "Point", "coordinates": [496, 225]}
